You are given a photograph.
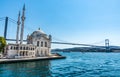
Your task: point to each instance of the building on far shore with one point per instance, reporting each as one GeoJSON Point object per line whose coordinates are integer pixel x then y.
{"type": "Point", "coordinates": [38, 43]}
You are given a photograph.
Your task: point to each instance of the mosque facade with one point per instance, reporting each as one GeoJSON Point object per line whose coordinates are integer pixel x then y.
{"type": "Point", "coordinates": [38, 45]}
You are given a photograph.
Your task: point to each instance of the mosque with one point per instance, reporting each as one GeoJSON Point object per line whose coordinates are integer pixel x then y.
{"type": "Point", "coordinates": [38, 43]}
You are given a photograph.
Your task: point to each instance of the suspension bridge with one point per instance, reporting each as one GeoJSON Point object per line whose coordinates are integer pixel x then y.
{"type": "Point", "coordinates": [7, 20]}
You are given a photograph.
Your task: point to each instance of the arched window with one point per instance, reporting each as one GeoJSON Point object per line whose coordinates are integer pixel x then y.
{"type": "Point", "coordinates": [31, 48]}
{"type": "Point", "coordinates": [37, 43]}
{"type": "Point", "coordinates": [11, 47]}
{"type": "Point", "coordinates": [41, 43]}
{"type": "Point", "coordinates": [17, 47]}
{"type": "Point", "coordinates": [20, 48]}
{"type": "Point", "coordinates": [45, 44]}
{"type": "Point", "coordinates": [23, 53]}
{"type": "Point", "coordinates": [24, 48]}
{"type": "Point", "coordinates": [14, 48]}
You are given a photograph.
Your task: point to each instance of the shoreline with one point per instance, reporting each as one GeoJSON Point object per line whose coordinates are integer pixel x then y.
{"type": "Point", "coordinates": [86, 52]}
{"type": "Point", "coordinates": [2, 61]}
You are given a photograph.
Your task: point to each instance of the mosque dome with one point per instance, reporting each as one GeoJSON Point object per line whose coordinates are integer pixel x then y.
{"type": "Point", "coordinates": [37, 33]}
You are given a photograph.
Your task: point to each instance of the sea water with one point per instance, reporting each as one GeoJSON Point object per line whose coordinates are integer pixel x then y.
{"type": "Point", "coordinates": [76, 64]}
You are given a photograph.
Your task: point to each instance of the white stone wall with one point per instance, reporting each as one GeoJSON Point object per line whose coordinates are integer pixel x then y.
{"type": "Point", "coordinates": [11, 53]}
{"type": "Point", "coordinates": [24, 52]}
{"type": "Point", "coordinates": [42, 50]}
{"type": "Point", "coordinates": [1, 55]}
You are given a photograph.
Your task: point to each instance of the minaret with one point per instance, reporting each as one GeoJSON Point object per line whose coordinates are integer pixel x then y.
{"type": "Point", "coordinates": [22, 26]}
{"type": "Point", "coordinates": [18, 26]}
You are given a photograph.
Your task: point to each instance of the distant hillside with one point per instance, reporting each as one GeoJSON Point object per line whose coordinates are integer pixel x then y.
{"type": "Point", "coordinates": [90, 49]}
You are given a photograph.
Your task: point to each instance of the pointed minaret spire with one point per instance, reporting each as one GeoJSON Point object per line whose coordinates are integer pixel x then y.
{"type": "Point", "coordinates": [22, 25]}
{"type": "Point", "coordinates": [18, 26]}
{"type": "Point", "coordinates": [24, 7]}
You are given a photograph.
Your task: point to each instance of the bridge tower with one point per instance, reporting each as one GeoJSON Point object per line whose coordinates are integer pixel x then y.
{"type": "Point", "coordinates": [5, 29]}
{"type": "Point", "coordinates": [107, 44]}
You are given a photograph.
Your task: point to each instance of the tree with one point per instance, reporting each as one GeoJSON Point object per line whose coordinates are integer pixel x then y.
{"type": "Point", "coordinates": [2, 44]}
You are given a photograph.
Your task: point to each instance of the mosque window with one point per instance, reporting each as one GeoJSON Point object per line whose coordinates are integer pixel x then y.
{"type": "Point", "coordinates": [37, 43]}
{"type": "Point", "coordinates": [45, 44]}
{"type": "Point", "coordinates": [11, 47]}
{"type": "Point", "coordinates": [14, 48]}
{"type": "Point", "coordinates": [41, 43]}
{"type": "Point", "coordinates": [20, 48]}
{"type": "Point", "coordinates": [17, 48]}
{"type": "Point", "coordinates": [38, 35]}
{"type": "Point", "coordinates": [24, 48]}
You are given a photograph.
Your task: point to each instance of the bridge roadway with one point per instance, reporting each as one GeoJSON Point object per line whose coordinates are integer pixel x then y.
{"type": "Point", "coordinates": [64, 43]}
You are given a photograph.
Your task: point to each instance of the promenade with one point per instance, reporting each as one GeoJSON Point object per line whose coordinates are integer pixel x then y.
{"type": "Point", "coordinates": [30, 59]}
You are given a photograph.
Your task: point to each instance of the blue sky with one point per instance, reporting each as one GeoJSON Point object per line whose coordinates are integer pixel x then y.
{"type": "Point", "coordinates": [78, 21]}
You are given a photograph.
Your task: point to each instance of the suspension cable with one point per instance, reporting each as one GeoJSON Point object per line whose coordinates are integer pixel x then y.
{"type": "Point", "coordinates": [2, 18]}
{"type": "Point", "coordinates": [12, 20]}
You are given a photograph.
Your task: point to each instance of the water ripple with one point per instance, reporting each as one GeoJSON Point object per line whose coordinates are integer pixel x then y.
{"type": "Point", "coordinates": [75, 65]}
